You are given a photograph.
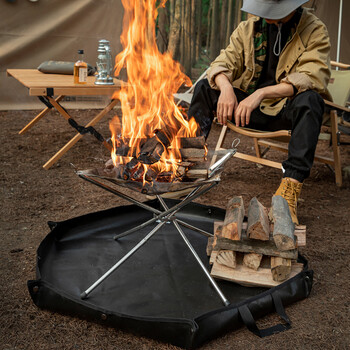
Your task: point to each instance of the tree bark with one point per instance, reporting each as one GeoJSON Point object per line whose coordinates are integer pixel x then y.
{"type": "Point", "coordinates": [283, 230]}
{"type": "Point", "coordinates": [215, 34]}
{"type": "Point", "coordinates": [175, 29]}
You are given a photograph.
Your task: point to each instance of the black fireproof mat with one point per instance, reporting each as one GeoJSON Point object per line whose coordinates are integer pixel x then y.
{"type": "Point", "coordinates": [157, 287]}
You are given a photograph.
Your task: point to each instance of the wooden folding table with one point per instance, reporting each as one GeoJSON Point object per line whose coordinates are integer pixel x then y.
{"type": "Point", "coordinates": [46, 86]}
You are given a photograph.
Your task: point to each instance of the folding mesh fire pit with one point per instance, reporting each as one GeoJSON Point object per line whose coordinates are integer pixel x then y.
{"type": "Point", "coordinates": [168, 215]}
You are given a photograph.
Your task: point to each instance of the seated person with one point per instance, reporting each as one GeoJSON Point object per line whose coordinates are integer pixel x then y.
{"type": "Point", "coordinates": [270, 77]}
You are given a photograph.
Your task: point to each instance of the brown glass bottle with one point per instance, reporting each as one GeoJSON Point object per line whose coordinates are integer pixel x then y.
{"type": "Point", "coordinates": [80, 69]}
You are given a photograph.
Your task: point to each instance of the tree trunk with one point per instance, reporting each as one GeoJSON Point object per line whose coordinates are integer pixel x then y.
{"type": "Point", "coordinates": [161, 35]}
{"type": "Point", "coordinates": [175, 30]}
{"type": "Point", "coordinates": [238, 12]}
{"type": "Point", "coordinates": [183, 35]}
{"type": "Point", "coordinates": [224, 9]}
{"type": "Point", "coordinates": [193, 37]}
{"type": "Point", "coordinates": [209, 26]}
{"type": "Point", "coordinates": [199, 29]}
{"type": "Point", "coordinates": [187, 53]}
{"type": "Point", "coordinates": [215, 34]}
{"type": "Point", "coordinates": [230, 20]}
{"type": "Point", "coordinates": [171, 12]}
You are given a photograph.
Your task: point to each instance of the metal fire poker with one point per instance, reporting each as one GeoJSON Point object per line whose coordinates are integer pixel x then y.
{"type": "Point", "coordinates": [168, 215]}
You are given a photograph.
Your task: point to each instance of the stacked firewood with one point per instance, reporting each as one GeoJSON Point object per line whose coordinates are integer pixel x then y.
{"type": "Point", "coordinates": [256, 250]}
{"type": "Point", "coordinates": [191, 151]}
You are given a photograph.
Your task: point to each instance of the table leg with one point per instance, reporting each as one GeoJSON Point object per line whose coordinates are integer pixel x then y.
{"type": "Point", "coordinates": [39, 116]}
{"type": "Point", "coordinates": [77, 137]}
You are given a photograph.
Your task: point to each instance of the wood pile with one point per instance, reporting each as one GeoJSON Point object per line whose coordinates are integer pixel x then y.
{"type": "Point", "coordinates": [190, 150]}
{"type": "Point", "coordinates": [253, 250]}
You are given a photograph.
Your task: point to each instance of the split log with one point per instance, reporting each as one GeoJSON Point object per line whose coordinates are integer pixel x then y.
{"type": "Point", "coordinates": [232, 227]}
{"type": "Point", "coordinates": [192, 153]}
{"type": "Point", "coordinates": [191, 142]}
{"type": "Point", "coordinates": [251, 246]}
{"type": "Point", "coordinates": [252, 260]}
{"type": "Point", "coordinates": [300, 234]}
{"type": "Point", "coordinates": [280, 268]}
{"type": "Point", "coordinates": [248, 277]}
{"type": "Point", "coordinates": [197, 173]}
{"type": "Point", "coordinates": [283, 230]}
{"type": "Point", "coordinates": [258, 221]}
{"type": "Point", "coordinates": [226, 258]}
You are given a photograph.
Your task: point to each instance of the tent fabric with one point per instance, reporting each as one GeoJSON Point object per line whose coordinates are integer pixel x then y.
{"type": "Point", "coordinates": [34, 32]}
{"type": "Point", "coordinates": [328, 12]}
{"type": "Point", "coordinates": [159, 292]}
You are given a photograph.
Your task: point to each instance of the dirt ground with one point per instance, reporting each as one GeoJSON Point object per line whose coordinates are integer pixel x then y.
{"type": "Point", "coordinates": [31, 196]}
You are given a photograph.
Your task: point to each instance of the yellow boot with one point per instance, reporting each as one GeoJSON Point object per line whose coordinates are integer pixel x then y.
{"type": "Point", "coordinates": [290, 191]}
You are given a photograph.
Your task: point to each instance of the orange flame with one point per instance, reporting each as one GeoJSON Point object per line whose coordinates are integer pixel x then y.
{"type": "Point", "coordinates": [147, 101]}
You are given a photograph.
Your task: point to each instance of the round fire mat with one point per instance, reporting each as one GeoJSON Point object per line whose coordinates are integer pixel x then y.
{"type": "Point", "coordinates": [159, 292]}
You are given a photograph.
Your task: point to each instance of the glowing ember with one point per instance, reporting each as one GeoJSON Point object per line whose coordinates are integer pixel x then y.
{"type": "Point", "coordinates": [147, 100]}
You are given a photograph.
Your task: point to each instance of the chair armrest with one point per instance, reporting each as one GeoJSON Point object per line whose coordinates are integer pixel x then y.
{"type": "Point", "coordinates": [340, 65]}
{"type": "Point", "coordinates": [257, 133]}
{"type": "Point", "coordinates": [335, 106]}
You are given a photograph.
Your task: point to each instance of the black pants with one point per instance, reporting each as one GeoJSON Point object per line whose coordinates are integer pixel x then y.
{"type": "Point", "coordinates": [302, 114]}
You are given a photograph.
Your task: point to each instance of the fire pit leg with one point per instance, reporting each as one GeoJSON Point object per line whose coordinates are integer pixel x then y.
{"type": "Point", "coordinates": [85, 294]}
{"type": "Point", "coordinates": [194, 253]}
{"type": "Point", "coordinates": [171, 211]}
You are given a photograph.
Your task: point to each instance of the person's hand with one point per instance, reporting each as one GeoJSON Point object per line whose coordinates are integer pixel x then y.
{"type": "Point", "coordinates": [246, 106]}
{"type": "Point", "coordinates": [227, 103]}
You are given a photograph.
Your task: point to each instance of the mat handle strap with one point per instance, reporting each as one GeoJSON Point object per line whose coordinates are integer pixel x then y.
{"type": "Point", "coordinates": [250, 323]}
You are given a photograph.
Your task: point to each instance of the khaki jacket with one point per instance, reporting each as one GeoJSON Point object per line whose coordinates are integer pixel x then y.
{"type": "Point", "coordinates": [304, 61]}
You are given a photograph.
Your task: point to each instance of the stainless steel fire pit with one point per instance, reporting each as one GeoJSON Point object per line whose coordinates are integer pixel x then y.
{"type": "Point", "coordinates": [168, 215]}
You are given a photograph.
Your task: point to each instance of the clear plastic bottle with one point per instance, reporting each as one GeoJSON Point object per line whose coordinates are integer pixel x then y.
{"type": "Point", "coordinates": [80, 69]}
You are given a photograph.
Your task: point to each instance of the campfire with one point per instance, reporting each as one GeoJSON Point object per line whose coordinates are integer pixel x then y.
{"type": "Point", "coordinates": [153, 141]}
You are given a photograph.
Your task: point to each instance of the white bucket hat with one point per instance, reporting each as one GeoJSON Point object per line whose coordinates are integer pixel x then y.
{"type": "Point", "coordinates": [271, 9]}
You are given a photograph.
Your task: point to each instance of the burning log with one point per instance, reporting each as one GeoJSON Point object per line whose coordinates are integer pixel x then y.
{"type": "Point", "coordinates": [191, 142]}
{"type": "Point", "coordinates": [192, 154]}
{"type": "Point", "coordinates": [130, 168]}
{"type": "Point", "coordinates": [151, 175]}
{"type": "Point", "coordinates": [152, 149]}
